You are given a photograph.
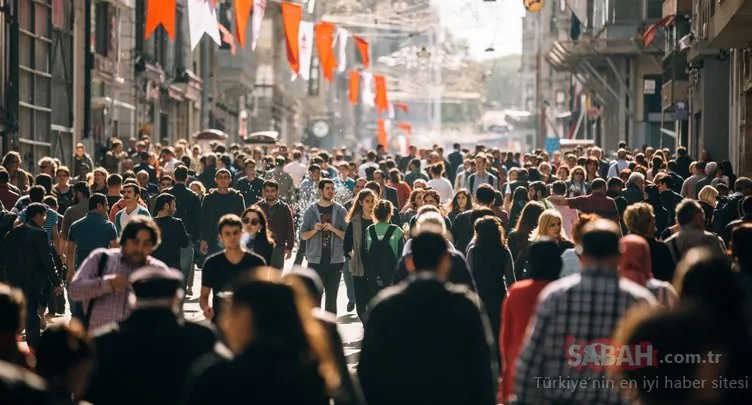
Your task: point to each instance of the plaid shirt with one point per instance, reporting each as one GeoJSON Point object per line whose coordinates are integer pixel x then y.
{"type": "Point", "coordinates": [580, 308]}
{"type": "Point", "coordinates": [110, 306]}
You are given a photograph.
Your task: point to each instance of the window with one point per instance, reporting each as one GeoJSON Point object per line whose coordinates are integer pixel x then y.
{"type": "Point", "coordinates": [102, 28]}
{"type": "Point", "coordinates": [160, 46]}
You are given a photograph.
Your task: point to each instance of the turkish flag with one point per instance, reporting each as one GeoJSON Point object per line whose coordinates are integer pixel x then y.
{"type": "Point", "coordinates": [381, 132]}
{"type": "Point", "coordinates": [324, 39]}
{"type": "Point", "coordinates": [160, 12]}
{"type": "Point", "coordinates": [354, 86]}
{"type": "Point", "coordinates": [242, 13]}
{"type": "Point", "coordinates": [380, 99]}
{"type": "Point", "coordinates": [362, 45]}
{"type": "Point", "coordinates": [291, 15]}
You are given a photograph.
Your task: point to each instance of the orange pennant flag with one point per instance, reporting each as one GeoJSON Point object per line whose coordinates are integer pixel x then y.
{"type": "Point", "coordinates": [381, 132]}
{"type": "Point", "coordinates": [213, 3]}
{"type": "Point", "coordinates": [401, 106]}
{"type": "Point", "coordinates": [380, 99]}
{"type": "Point", "coordinates": [354, 86]}
{"type": "Point", "coordinates": [324, 40]}
{"type": "Point", "coordinates": [405, 127]}
{"type": "Point", "coordinates": [291, 15]}
{"type": "Point", "coordinates": [242, 13]}
{"type": "Point", "coordinates": [362, 45]}
{"type": "Point", "coordinates": [160, 12]}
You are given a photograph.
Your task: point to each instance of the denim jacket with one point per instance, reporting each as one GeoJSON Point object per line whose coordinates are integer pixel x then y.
{"type": "Point", "coordinates": [313, 246]}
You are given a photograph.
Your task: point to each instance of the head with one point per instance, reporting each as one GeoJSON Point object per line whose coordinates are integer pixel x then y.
{"type": "Point", "coordinates": [708, 195]}
{"type": "Point", "coordinates": [81, 191]}
{"type": "Point", "coordinates": [100, 178]}
{"type": "Point", "coordinates": [98, 204]}
{"type": "Point", "coordinates": [271, 191]}
{"type": "Point", "coordinates": [707, 280]}
{"type": "Point", "coordinates": [326, 189]}
{"type": "Point", "coordinates": [462, 201]}
{"type": "Point", "coordinates": [80, 150]}
{"type": "Point", "coordinates": [165, 204]}
{"type": "Point", "coordinates": [549, 226]}
{"type": "Point", "coordinates": [743, 185]}
{"type": "Point", "coordinates": [636, 179]}
{"type": "Point", "coordinates": [430, 254]}
{"type": "Point", "coordinates": [375, 187]}
{"type": "Point", "coordinates": [131, 194]}
{"type": "Point", "coordinates": [430, 220]}
{"type": "Point", "coordinates": [544, 260]}
{"type": "Point", "coordinates": [139, 239]}
{"type": "Point", "coordinates": [537, 191]}
{"type": "Point", "coordinates": [36, 194]}
{"type": "Point", "coordinates": [379, 177]}
{"type": "Point", "coordinates": [12, 162]}
{"type": "Point", "coordinates": [689, 213]}
{"type": "Point", "coordinates": [44, 180]}
{"type": "Point", "coordinates": [12, 312]}
{"type": "Point", "coordinates": [254, 222]}
{"type": "Point", "coordinates": [198, 188]}
{"type": "Point", "coordinates": [416, 199]}
{"type": "Point", "coordinates": [114, 183]}
{"type": "Point", "coordinates": [382, 211]}
{"type": "Point", "coordinates": [489, 232]}
{"type": "Point", "coordinates": [223, 179]}
{"type": "Point", "coordinates": [431, 197]}
{"type": "Point", "coordinates": [230, 231]}
{"type": "Point", "coordinates": [577, 174]}
{"type": "Point", "coordinates": [600, 244]}
{"type": "Point", "coordinates": [635, 261]}
{"type": "Point", "coordinates": [36, 213]}
{"type": "Point", "coordinates": [529, 218]}
{"type": "Point", "coordinates": [181, 174]}
{"type": "Point", "coordinates": [481, 163]}
{"type": "Point", "coordinates": [65, 357]}
{"type": "Point", "coordinates": [165, 182]}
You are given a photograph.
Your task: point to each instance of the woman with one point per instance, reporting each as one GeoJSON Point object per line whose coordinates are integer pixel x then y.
{"type": "Point", "coordinates": [640, 220]}
{"type": "Point", "coordinates": [571, 263]}
{"type": "Point", "coordinates": [18, 177]}
{"type": "Point", "coordinates": [491, 263]}
{"type": "Point", "coordinates": [281, 352]}
{"type": "Point", "coordinates": [432, 198]}
{"type": "Point", "coordinates": [635, 264]}
{"type": "Point", "coordinates": [519, 308]}
{"type": "Point", "coordinates": [592, 165]}
{"type": "Point", "coordinates": [656, 166]}
{"type": "Point", "coordinates": [64, 359]}
{"type": "Point", "coordinates": [577, 185]}
{"type": "Point", "coordinates": [520, 198]}
{"type": "Point", "coordinates": [728, 173]}
{"type": "Point", "coordinates": [519, 238]}
{"type": "Point", "coordinates": [461, 202]}
{"type": "Point", "coordinates": [62, 190]}
{"type": "Point", "coordinates": [198, 188]}
{"type": "Point", "coordinates": [412, 206]}
{"type": "Point", "coordinates": [382, 214]}
{"type": "Point", "coordinates": [707, 199]}
{"type": "Point", "coordinates": [403, 189]}
{"type": "Point", "coordinates": [562, 172]}
{"type": "Point", "coordinates": [440, 183]}
{"type": "Point", "coordinates": [358, 220]}
{"type": "Point", "coordinates": [661, 214]}
{"type": "Point", "coordinates": [550, 226]}
{"type": "Point", "coordinates": [257, 237]}
{"type": "Point", "coordinates": [99, 181]}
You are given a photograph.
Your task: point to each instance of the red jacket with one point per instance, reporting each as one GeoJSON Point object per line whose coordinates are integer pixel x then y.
{"type": "Point", "coordinates": [518, 310]}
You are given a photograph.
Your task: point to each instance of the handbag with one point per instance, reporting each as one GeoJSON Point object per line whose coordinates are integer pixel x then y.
{"type": "Point", "coordinates": [100, 273]}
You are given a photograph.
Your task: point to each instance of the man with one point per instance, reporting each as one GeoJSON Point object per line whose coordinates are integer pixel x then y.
{"type": "Point", "coordinates": [165, 183]}
{"type": "Point", "coordinates": [8, 196]}
{"type": "Point", "coordinates": [371, 157]}
{"type": "Point", "coordinates": [691, 220]}
{"type": "Point", "coordinates": [326, 170]}
{"type": "Point", "coordinates": [87, 234]}
{"type": "Point", "coordinates": [296, 169]}
{"type": "Point", "coordinates": [187, 204]}
{"type": "Point", "coordinates": [462, 228]}
{"type": "Point", "coordinates": [217, 203]}
{"type": "Point", "coordinates": [710, 170]}
{"type": "Point", "coordinates": [251, 186]}
{"type": "Point", "coordinates": [170, 162]}
{"type": "Point", "coordinates": [671, 170]}
{"type": "Point", "coordinates": [404, 162]}
{"type": "Point", "coordinates": [456, 158]}
{"type": "Point", "coordinates": [29, 265]}
{"type": "Point", "coordinates": [284, 180]}
{"type": "Point", "coordinates": [602, 299]}
{"type": "Point", "coordinates": [595, 203]}
{"type": "Point", "coordinates": [669, 198]}
{"type": "Point", "coordinates": [221, 268]}
{"type": "Point", "coordinates": [82, 158]}
{"type": "Point", "coordinates": [481, 175]}
{"type": "Point", "coordinates": [360, 183]}
{"type": "Point", "coordinates": [114, 156]}
{"type": "Point", "coordinates": [78, 210]}
{"type": "Point", "coordinates": [104, 288]}
{"type": "Point", "coordinates": [633, 193]}
{"type": "Point", "coordinates": [114, 189]}
{"type": "Point", "coordinates": [147, 187]}
{"type": "Point", "coordinates": [323, 229]}
{"type": "Point", "coordinates": [683, 162]}
{"type": "Point", "coordinates": [309, 187]}
{"type": "Point", "coordinates": [387, 193]}
{"type": "Point", "coordinates": [122, 203]}
{"type": "Point", "coordinates": [689, 188]}
{"type": "Point", "coordinates": [727, 209]}
{"type": "Point", "coordinates": [131, 196]}
{"type": "Point", "coordinates": [619, 165]}
{"type": "Point", "coordinates": [145, 358]}
{"type": "Point", "coordinates": [746, 210]}
{"type": "Point", "coordinates": [406, 316]}
{"type": "Point", "coordinates": [144, 165]}
{"type": "Point", "coordinates": [414, 173]}
{"type": "Point", "coordinates": [537, 191]}
{"type": "Point", "coordinates": [174, 236]}
{"type": "Point", "coordinates": [279, 222]}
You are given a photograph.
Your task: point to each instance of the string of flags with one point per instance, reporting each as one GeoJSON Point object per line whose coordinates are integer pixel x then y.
{"type": "Point", "coordinates": [300, 38]}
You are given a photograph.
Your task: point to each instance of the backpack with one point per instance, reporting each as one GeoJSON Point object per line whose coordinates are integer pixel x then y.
{"type": "Point", "coordinates": [491, 181]}
{"type": "Point", "coordinates": [380, 261]}
{"type": "Point", "coordinates": [727, 210]}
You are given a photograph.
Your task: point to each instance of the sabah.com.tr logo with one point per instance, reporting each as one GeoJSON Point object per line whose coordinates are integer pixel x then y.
{"type": "Point", "coordinates": [601, 354]}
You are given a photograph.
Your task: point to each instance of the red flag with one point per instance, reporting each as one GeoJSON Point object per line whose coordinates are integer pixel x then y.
{"type": "Point", "coordinates": [242, 12]}
{"type": "Point", "coordinates": [381, 132]}
{"type": "Point", "coordinates": [160, 12]}
{"type": "Point", "coordinates": [291, 15]}
{"type": "Point", "coordinates": [380, 99]}
{"type": "Point", "coordinates": [354, 86]}
{"type": "Point", "coordinates": [405, 127]}
{"type": "Point", "coordinates": [324, 40]}
{"type": "Point", "coordinates": [362, 45]}
{"type": "Point", "coordinates": [649, 34]}
{"type": "Point", "coordinates": [401, 106]}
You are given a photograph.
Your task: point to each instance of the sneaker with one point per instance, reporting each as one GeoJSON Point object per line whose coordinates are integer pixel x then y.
{"type": "Point", "coordinates": [350, 306]}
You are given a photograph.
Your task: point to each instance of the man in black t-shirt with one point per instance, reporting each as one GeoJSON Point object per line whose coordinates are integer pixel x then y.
{"type": "Point", "coordinates": [174, 235]}
{"type": "Point", "coordinates": [221, 268]}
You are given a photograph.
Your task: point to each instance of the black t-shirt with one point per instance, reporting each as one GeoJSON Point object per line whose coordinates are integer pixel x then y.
{"type": "Point", "coordinates": [218, 273]}
{"type": "Point", "coordinates": [174, 236]}
{"type": "Point", "coordinates": [326, 236]}
{"type": "Point", "coordinates": [112, 200]}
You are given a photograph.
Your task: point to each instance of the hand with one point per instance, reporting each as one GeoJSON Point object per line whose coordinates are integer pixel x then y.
{"type": "Point", "coordinates": [119, 283]}
{"type": "Point", "coordinates": [204, 247]}
{"type": "Point", "coordinates": [318, 227]}
{"type": "Point", "coordinates": [327, 227]}
{"type": "Point", "coordinates": [288, 254]}
{"type": "Point", "coordinates": [59, 290]}
{"type": "Point", "coordinates": [351, 254]}
{"type": "Point", "coordinates": [208, 312]}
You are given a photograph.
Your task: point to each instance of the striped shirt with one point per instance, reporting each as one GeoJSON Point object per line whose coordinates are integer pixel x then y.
{"type": "Point", "coordinates": [53, 218]}
{"type": "Point", "coordinates": [110, 306]}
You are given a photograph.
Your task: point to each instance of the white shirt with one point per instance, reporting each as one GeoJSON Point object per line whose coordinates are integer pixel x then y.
{"type": "Point", "coordinates": [169, 166]}
{"type": "Point", "coordinates": [443, 187]}
{"type": "Point", "coordinates": [296, 170]}
{"type": "Point", "coordinates": [125, 217]}
{"type": "Point", "coordinates": [364, 166]}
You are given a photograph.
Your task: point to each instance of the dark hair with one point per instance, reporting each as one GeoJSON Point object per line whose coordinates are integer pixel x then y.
{"type": "Point", "coordinates": [114, 179]}
{"type": "Point", "coordinates": [706, 278]}
{"type": "Point", "coordinates": [4, 176]}
{"type": "Point", "coordinates": [700, 166]}
{"type": "Point", "coordinates": [165, 178]}
{"type": "Point", "coordinates": [264, 230]}
{"type": "Point", "coordinates": [230, 220]}
{"type": "Point", "coordinates": [455, 205]}
{"type": "Point", "coordinates": [271, 184]}
{"type": "Point", "coordinates": [437, 169]}
{"type": "Point", "coordinates": [612, 182]}
{"type": "Point", "coordinates": [428, 249]}
{"type": "Point", "coordinates": [44, 180]}
{"type": "Point", "coordinates": [136, 188]}
{"type": "Point", "coordinates": [222, 171]}
{"type": "Point", "coordinates": [34, 209]}
{"type": "Point", "coordinates": [62, 347]}
{"type": "Point", "coordinates": [162, 200]}
{"type": "Point", "coordinates": [395, 176]}
{"type": "Point", "coordinates": [539, 186]}
{"type": "Point", "coordinates": [489, 232]}
{"type": "Point", "coordinates": [12, 304]}
{"type": "Point", "coordinates": [667, 181]}
{"type": "Point", "coordinates": [50, 201]}
{"type": "Point", "coordinates": [324, 182]}
{"type": "Point", "coordinates": [529, 219]}
{"type": "Point", "coordinates": [687, 210]}
{"type": "Point", "coordinates": [81, 187]}
{"type": "Point", "coordinates": [373, 186]}
{"type": "Point", "coordinates": [314, 168]}
{"type": "Point", "coordinates": [137, 224]}
{"type": "Point", "coordinates": [181, 173]}
{"type": "Point", "coordinates": [36, 194]}
{"type": "Point", "coordinates": [559, 188]}
{"type": "Point", "coordinates": [97, 199]}
{"type": "Point", "coordinates": [382, 211]}
{"type": "Point", "coordinates": [485, 194]}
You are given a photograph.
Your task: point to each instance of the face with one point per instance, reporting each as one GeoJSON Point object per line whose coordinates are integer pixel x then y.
{"type": "Point", "coordinates": [554, 228]}
{"type": "Point", "coordinates": [223, 180]}
{"type": "Point", "coordinates": [164, 185]}
{"type": "Point", "coordinates": [230, 236]}
{"type": "Point", "coordinates": [173, 208]}
{"type": "Point", "coordinates": [136, 250]}
{"type": "Point", "coordinates": [196, 189]}
{"type": "Point", "coordinates": [271, 193]}
{"type": "Point", "coordinates": [129, 194]}
{"type": "Point", "coordinates": [315, 175]}
{"type": "Point", "coordinates": [251, 222]}
{"type": "Point", "coordinates": [480, 164]}
{"type": "Point", "coordinates": [62, 177]}
{"type": "Point", "coordinates": [578, 175]}
{"type": "Point", "coordinates": [40, 219]}
{"type": "Point", "coordinates": [328, 192]}
{"type": "Point", "coordinates": [99, 178]}
{"type": "Point", "coordinates": [379, 178]}
{"type": "Point", "coordinates": [563, 173]}
{"type": "Point", "coordinates": [572, 161]}
{"type": "Point", "coordinates": [368, 203]}
{"type": "Point", "coordinates": [79, 151]}
{"type": "Point", "coordinates": [429, 200]}
{"type": "Point", "coordinates": [419, 200]}
{"type": "Point", "coordinates": [543, 169]}
{"type": "Point", "coordinates": [142, 178]}
{"type": "Point", "coordinates": [462, 200]}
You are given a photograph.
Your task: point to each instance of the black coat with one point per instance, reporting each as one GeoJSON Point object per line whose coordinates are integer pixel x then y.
{"type": "Point", "coordinates": [28, 258]}
{"type": "Point", "coordinates": [460, 273]}
{"type": "Point", "coordinates": [21, 386]}
{"type": "Point", "coordinates": [446, 338]}
{"type": "Point", "coordinates": [669, 200]}
{"type": "Point", "coordinates": [188, 206]}
{"type": "Point", "coordinates": [145, 359]}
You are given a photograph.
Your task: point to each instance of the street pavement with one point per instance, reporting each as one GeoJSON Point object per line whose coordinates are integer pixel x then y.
{"type": "Point", "coordinates": [349, 325]}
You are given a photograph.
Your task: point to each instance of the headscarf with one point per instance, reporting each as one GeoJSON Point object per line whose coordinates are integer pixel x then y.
{"type": "Point", "coordinates": [635, 263]}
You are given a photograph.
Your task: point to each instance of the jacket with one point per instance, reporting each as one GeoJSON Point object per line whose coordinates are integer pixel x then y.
{"type": "Point", "coordinates": [313, 245]}
{"type": "Point", "coordinates": [188, 205]}
{"type": "Point", "coordinates": [28, 258]}
{"type": "Point", "coordinates": [211, 212]}
{"type": "Point", "coordinates": [280, 223]}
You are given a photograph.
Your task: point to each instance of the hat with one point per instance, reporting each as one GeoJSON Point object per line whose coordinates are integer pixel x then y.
{"type": "Point", "coordinates": [153, 282]}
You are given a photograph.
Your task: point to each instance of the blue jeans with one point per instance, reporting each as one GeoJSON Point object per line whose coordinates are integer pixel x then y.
{"type": "Point", "coordinates": [348, 281]}
{"type": "Point", "coordinates": [186, 262]}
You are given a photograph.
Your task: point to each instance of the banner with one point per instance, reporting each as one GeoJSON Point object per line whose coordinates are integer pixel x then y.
{"type": "Point", "coordinates": [368, 96]}
{"type": "Point", "coordinates": [160, 12]}
{"type": "Point", "coordinates": [202, 19]}
{"type": "Point", "coordinates": [291, 15]}
{"type": "Point", "coordinates": [341, 43]}
{"type": "Point", "coordinates": [324, 39]}
{"type": "Point", "coordinates": [381, 132]}
{"type": "Point", "coordinates": [401, 106]}
{"type": "Point", "coordinates": [242, 13]}
{"type": "Point", "coordinates": [380, 100]}
{"type": "Point", "coordinates": [362, 46]}
{"type": "Point", "coordinates": [259, 7]}
{"type": "Point", "coordinates": [354, 86]}
{"type": "Point", "coordinates": [305, 50]}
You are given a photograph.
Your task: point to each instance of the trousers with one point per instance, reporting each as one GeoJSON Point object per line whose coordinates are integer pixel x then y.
{"type": "Point", "coordinates": [330, 275]}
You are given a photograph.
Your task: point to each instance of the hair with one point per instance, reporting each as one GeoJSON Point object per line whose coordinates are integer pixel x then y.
{"type": "Point", "coordinates": [454, 205]}
{"type": "Point", "coordinates": [114, 179]}
{"type": "Point", "coordinates": [706, 278]}
{"type": "Point", "coordinates": [324, 182]}
{"type": "Point", "coordinates": [62, 347]}
{"type": "Point", "coordinates": [222, 171]}
{"type": "Point", "coordinates": [708, 195]}
{"type": "Point", "coordinates": [640, 220]}
{"type": "Point", "coordinates": [136, 188]}
{"type": "Point", "coordinates": [395, 176]}
{"type": "Point", "coordinates": [97, 199]}
{"type": "Point", "coordinates": [582, 221]}
{"type": "Point", "coordinates": [539, 187]}
{"type": "Point", "coordinates": [485, 194]}
{"type": "Point", "coordinates": [411, 202]}
{"type": "Point", "coordinates": [544, 221]}
{"type": "Point", "coordinates": [529, 218]}
{"type": "Point", "coordinates": [373, 186]}
{"type": "Point", "coordinates": [230, 220]}
{"type": "Point", "coordinates": [489, 233]}
{"type": "Point", "coordinates": [314, 168]}
{"type": "Point", "coordinates": [686, 211]}
{"type": "Point", "coordinates": [141, 223]}
{"type": "Point", "coordinates": [271, 184]}
{"type": "Point", "coordinates": [44, 180]}
{"type": "Point", "coordinates": [433, 194]}
{"type": "Point", "coordinates": [199, 185]}
{"type": "Point", "coordinates": [63, 169]}
{"type": "Point", "coordinates": [741, 239]}
{"type": "Point", "coordinates": [264, 230]}
{"type": "Point", "coordinates": [429, 219]}
{"type": "Point", "coordinates": [382, 211]}
{"type": "Point", "coordinates": [428, 249]}
{"type": "Point", "coordinates": [357, 207]}
{"type": "Point", "coordinates": [162, 200]}
{"type": "Point", "coordinates": [181, 174]}
{"type": "Point", "coordinates": [12, 309]}
{"type": "Point", "coordinates": [36, 193]}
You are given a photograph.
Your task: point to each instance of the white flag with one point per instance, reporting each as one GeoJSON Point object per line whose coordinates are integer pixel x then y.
{"type": "Point", "coordinates": [202, 18]}
{"type": "Point", "coordinates": [259, 6]}
{"type": "Point", "coordinates": [391, 110]}
{"type": "Point", "coordinates": [368, 95]}
{"type": "Point", "coordinates": [340, 46]}
{"type": "Point", "coordinates": [305, 50]}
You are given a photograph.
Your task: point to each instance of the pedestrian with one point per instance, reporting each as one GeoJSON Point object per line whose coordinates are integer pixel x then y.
{"type": "Point", "coordinates": [64, 359]}
{"type": "Point", "coordinates": [101, 282]}
{"type": "Point", "coordinates": [217, 203]}
{"type": "Point", "coordinates": [384, 243]}
{"type": "Point", "coordinates": [145, 358]}
{"type": "Point", "coordinates": [323, 229]}
{"type": "Point", "coordinates": [280, 222]}
{"type": "Point", "coordinates": [62, 190]}
{"type": "Point", "coordinates": [132, 209]}
{"type": "Point", "coordinates": [257, 237]}
{"type": "Point", "coordinates": [691, 220]}
{"type": "Point", "coordinates": [221, 268]}
{"type": "Point", "coordinates": [519, 238]}
{"type": "Point", "coordinates": [187, 204]}
{"type": "Point", "coordinates": [462, 228]}
{"type": "Point", "coordinates": [404, 323]}
{"type": "Point", "coordinates": [174, 235]}
{"type": "Point", "coordinates": [359, 219]}
{"type": "Point", "coordinates": [640, 220]}
{"type": "Point", "coordinates": [636, 265]}
{"type": "Point", "coordinates": [250, 186]}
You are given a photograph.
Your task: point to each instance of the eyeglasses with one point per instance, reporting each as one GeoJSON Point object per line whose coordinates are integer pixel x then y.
{"type": "Point", "coordinates": [252, 221]}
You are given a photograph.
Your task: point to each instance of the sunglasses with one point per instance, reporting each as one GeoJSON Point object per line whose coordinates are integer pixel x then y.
{"type": "Point", "coordinates": [252, 221]}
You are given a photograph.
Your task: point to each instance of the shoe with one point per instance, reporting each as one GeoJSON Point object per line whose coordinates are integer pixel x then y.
{"type": "Point", "coordinates": [350, 306]}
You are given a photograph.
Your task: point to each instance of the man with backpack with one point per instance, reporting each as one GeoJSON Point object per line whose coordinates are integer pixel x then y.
{"type": "Point", "coordinates": [729, 209]}
{"type": "Point", "coordinates": [384, 244]}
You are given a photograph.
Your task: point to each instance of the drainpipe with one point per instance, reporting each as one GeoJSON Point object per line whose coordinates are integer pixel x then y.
{"type": "Point", "coordinates": [205, 78]}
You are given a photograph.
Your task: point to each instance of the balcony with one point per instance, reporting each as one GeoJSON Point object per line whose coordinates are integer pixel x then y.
{"type": "Point", "coordinates": [729, 27]}
{"type": "Point", "coordinates": [236, 74]}
{"type": "Point", "coordinates": [676, 7]}
{"type": "Point", "coordinates": [674, 91]}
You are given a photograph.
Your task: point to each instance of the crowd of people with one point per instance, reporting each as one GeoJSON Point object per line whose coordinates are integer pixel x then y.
{"type": "Point", "coordinates": [476, 275]}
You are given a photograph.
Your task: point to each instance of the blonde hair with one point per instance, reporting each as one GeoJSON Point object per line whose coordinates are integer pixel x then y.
{"type": "Point", "coordinates": [708, 195]}
{"type": "Point", "coordinates": [640, 220]}
{"type": "Point", "coordinates": [544, 221]}
{"type": "Point", "coordinates": [200, 187]}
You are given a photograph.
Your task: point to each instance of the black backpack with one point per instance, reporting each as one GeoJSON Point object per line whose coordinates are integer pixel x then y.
{"type": "Point", "coordinates": [380, 261]}
{"type": "Point", "coordinates": [728, 209]}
